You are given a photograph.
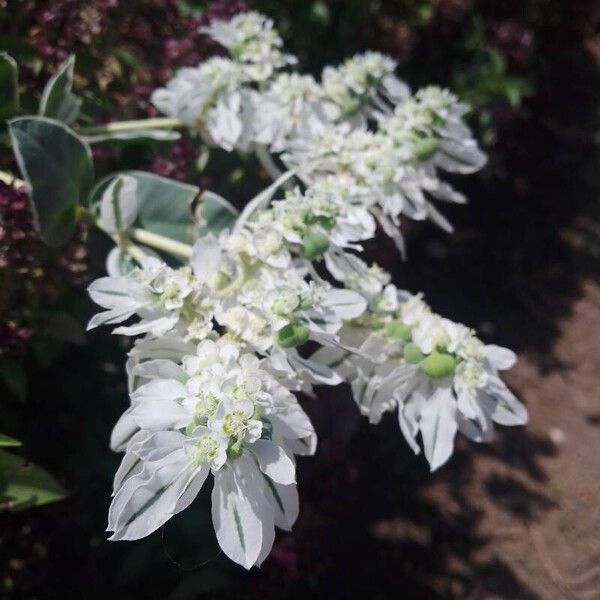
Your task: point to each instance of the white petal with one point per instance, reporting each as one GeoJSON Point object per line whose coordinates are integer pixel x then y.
{"type": "Point", "coordinates": [123, 431]}
{"type": "Point", "coordinates": [159, 389]}
{"type": "Point", "coordinates": [274, 462]}
{"type": "Point", "coordinates": [113, 293]}
{"type": "Point", "coordinates": [346, 303]}
{"type": "Point", "coordinates": [237, 525]}
{"type": "Point", "coordinates": [500, 358]}
{"type": "Point", "coordinates": [206, 258]}
{"type": "Point", "coordinates": [438, 427]}
{"type": "Point", "coordinates": [160, 368]}
{"type": "Point", "coordinates": [409, 428]}
{"type": "Point", "coordinates": [502, 405]}
{"type": "Point", "coordinates": [284, 499]}
{"type": "Point", "coordinates": [141, 507]}
{"type": "Point", "coordinates": [110, 317]}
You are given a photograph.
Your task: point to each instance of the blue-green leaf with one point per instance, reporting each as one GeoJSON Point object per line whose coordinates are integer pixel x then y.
{"type": "Point", "coordinates": [165, 205]}
{"type": "Point", "coordinates": [9, 91]}
{"type": "Point", "coordinates": [57, 165]}
{"type": "Point", "coordinates": [58, 101]}
{"type": "Point", "coordinates": [214, 213]}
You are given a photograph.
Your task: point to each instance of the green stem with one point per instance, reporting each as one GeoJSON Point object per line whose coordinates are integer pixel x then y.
{"type": "Point", "coordinates": [160, 242]}
{"type": "Point", "coordinates": [139, 124]}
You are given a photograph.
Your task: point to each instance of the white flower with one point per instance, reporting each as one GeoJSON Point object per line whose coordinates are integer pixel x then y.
{"type": "Point", "coordinates": [225, 337]}
{"type": "Point", "coordinates": [155, 292]}
{"type": "Point", "coordinates": [363, 86]}
{"type": "Point", "coordinates": [438, 374]}
{"type": "Point", "coordinates": [218, 412]}
{"type": "Point", "coordinates": [212, 98]}
{"type": "Point", "coordinates": [282, 108]}
{"type": "Point", "coordinates": [252, 42]}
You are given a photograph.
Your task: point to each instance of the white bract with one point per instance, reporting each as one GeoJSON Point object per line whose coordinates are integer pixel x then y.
{"type": "Point", "coordinates": [225, 337]}
{"type": "Point", "coordinates": [363, 87]}
{"type": "Point", "coordinates": [438, 375]}
{"type": "Point", "coordinates": [253, 42]}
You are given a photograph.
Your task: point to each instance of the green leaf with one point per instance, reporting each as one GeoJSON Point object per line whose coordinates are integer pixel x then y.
{"type": "Point", "coordinates": [165, 205]}
{"type": "Point", "coordinates": [12, 373]}
{"type": "Point", "coordinates": [57, 165]}
{"type": "Point", "coordinates": [23, 485]}
{"type": "Point", "coordinates": [9, 87]}
{"type": "Point", "coordinates": [214, 213]}
{"type": "Point", "coordinates": [58, 101]}
{"type": "Point", "coordinates": [7, 442]}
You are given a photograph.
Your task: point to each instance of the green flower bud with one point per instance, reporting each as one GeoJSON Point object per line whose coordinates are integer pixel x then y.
{"type": "Point", "coordinates": [425, 148]}
{"type": "Point", "coordinates": [293, 334]}
{"type": "Point", "coordinates": [325, 222]}
{"type": "Point", "coordinates": [398, 330]}
{"type": "Point", "coordinates": [314, 244]}
{"type": "Point", "coordinates": [439, 364]}
{"type": "Point", "coordinates": [412, 354]}
{"type": "Point", "coordinates": [220, 280]}
{"type": "Point", "coordinates": [352, 104]}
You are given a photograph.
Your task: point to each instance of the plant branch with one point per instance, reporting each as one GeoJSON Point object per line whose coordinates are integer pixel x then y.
{"type": "Point", "coordinates": [136, 125]}
{"type": "Point", "coordinates": [266, 161]}
{"type": "Point", "coordinates": [160, 242]}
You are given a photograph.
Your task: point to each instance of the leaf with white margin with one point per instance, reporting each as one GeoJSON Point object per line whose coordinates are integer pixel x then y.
{"type": "Point", "coordinates": [500, 358]}
{"type": "Point", "coordinates": [317, 372]}
{"type": "Point", "coordinates": [159, 368]}
{"type": "Point", "coordinates": [154, 502]}
{"type": "Point", "coordinates": [156, 405]}
{"type": "Point", "coordinates": [214, 213]}
{"type": "Point", "coordinates": [58, 101]}
{"type": "Point", "coordinates": [438, 427]}
{"type": "Point", "coordinates": [236, 520]}
{"type": "Point", "coordinates": [119, 205]}
{"type": "Point", "coordinates": [502, 405]}
{"type": "Point", "coordinates": [274, 462]}
{"type": "Point", "coordinates": [286, 506]}
{"type": "Point", "coordinates": [123, 432]}
{"type": "Point", "coordinates": [346, 304]}
{"type": "Point", "coordinates": [57, 165]}
{"type": "Point", "coordinates": [9, 86]}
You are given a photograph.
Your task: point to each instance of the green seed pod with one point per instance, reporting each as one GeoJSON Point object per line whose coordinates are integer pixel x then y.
{"type": "Point", "coordinates": [314, 244]}
{"type": "Point", "coordinates": [398, 330]}
{"type": "Point", "coordinates": [293, 334]}
{"type": "Point", "coordinates": [425, 148]}
{"type": "Point", "coordinates": [439, 364]}
{"type": "Point", "coordinates": [412, 354]}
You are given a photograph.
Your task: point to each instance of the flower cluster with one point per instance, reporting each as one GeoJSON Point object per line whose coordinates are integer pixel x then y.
{"type": "Point", "coordinates": [437, 373]}
{"type": "Point", "coordinates": [226, 336]}
{"type": "Point", "coordinates": [360, 122]}
{"type": "Point", "coordinates": [211, 409]}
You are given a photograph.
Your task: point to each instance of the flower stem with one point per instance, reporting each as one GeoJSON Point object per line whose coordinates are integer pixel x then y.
{"type": "Point", "coordinates": [160, 242]}
{"type": "Point", "coordinates": [139, 124]}
{"type": "Point", "coordinates": [266, 161]}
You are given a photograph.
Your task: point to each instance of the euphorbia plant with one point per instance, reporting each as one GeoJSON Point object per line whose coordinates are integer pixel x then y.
{"type": "Point", "coordinates": [234, 313]}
